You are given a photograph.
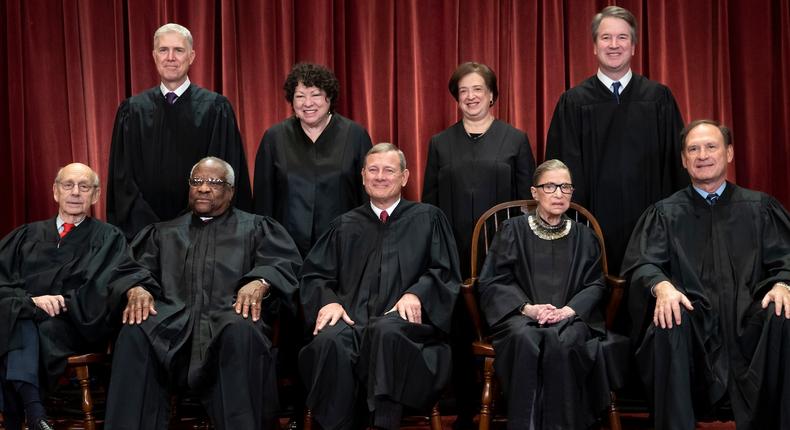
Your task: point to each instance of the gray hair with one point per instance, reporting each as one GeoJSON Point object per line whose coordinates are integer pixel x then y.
{"type": "Point", "coordinates": [93, 175]}
{"type": "Point", "coordinates": [547, 166]}
{"type": "Point", "coordinates": [230, 175]}
{"type": "Point", "coordinates": [382, 147]}
{"type": "Point", "coordinates": [172, 27]}
{"type": "Point", "coordinates": [615, 12]}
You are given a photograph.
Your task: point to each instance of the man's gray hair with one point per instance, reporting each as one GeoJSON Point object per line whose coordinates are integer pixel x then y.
{"type": "Point", "coordinates": [387, 147]}
{"type": "Point", "coordinates": [230, 175]}
{"type": "Point", "coordinates": [615, 12]}
{"type": "Point", "coordinates": [172, 27]}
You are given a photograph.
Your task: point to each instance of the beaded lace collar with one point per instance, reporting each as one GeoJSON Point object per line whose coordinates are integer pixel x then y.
{"type": "Point", "coordinates": [546, 231]}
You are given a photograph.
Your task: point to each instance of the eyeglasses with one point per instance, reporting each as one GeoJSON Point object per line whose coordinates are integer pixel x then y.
{"type": "Point", "coordinates": [550, 188]}
{"type": "Point", "coordinates": [83, 187]}
{"type": "Point", "coordinates": [214, 183]}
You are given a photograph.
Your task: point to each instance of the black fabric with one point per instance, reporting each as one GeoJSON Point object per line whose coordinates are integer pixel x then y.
{"type": "Point", "coordinates": [623, 157]}
{"type": "Point", "coordinates": [465, 177]}
{"type": "Point", "coordinates": [554, 376]}
{"type": "Point", "coordinates": [367, 266]}
{"type": "Point", "coordinates": [154, 146]}
{"type": "Point", "coordinates": [724, 258]}
{"type": "Point", "coordinates": [35, 261]}
{"type": "Point", "coordinates": [304, 184]}
{"type": "Point", "coordinates": [194, 269]}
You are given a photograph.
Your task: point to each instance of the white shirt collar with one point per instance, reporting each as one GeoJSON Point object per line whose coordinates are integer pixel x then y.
{"type": "Point", "coordinates": [607, 81]}
{"type": "Point", "coordinates": [389, 209]}
{"type": "Point", "coordinates": [180, 90]}
{"type": "Point", "coordinates": [59, 222]}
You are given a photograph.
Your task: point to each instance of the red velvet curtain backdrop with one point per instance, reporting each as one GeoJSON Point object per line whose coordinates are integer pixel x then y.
{"type": "Point", "coordinates": [66, 65]}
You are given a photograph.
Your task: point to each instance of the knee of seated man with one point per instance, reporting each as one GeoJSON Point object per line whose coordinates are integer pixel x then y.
{"type": "Point", "coordinates": [241, 331]}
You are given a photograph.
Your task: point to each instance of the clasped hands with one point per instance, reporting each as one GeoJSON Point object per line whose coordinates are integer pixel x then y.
{"type": "Point", "coordinates": [669, 300]}
{"type": "Point", "coordinates": [52, 305]}
{"type": "Point", "coordinates": [547, 313]}
{"type": "Point", "coordinates": [408, 307]}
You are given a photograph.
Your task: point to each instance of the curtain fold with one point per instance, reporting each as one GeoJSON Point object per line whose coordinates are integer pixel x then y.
{"type": "Point", "coordinates": [66, 66]}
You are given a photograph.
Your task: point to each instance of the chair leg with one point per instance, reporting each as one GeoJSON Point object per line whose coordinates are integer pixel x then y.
{"type": "Point", "coordinates": [308, 419]}
{"type": "Point", "coordinates": [83, 376]}
{"type": "Point", "coordinates": [485, 403]}
{"type": "Point", "coordinates": [614, 415]}
{"type": "Point", "coordinates": [436, 418]}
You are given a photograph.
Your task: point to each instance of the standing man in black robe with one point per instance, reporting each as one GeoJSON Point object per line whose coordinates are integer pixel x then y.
{"type": "Point", "coordinates": [53, 291]}
{"type": "Point", "coordinates": [709, 269]}
{"type": "Point", "coordinates": [379, 289]}
{"type": "Point", "coordinates": [160, 133]}
{"type": "Point", "coordinates": [618, 133]}
{"type": "Point", "coordinates": [202, 297]}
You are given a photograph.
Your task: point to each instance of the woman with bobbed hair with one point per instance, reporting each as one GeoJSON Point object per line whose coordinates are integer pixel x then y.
{"type": "Point", "coordinates": [473, 165]}
{"type": "Point", "coordinates": [308, 167]}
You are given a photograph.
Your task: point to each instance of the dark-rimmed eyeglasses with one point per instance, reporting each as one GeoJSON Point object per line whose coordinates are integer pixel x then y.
{"type": "Point", "coordinates": [551, 187]}
{"type": "Point", "coordinates": [214, 183]}
{"type": "Point", "coordinates": [83, 187]}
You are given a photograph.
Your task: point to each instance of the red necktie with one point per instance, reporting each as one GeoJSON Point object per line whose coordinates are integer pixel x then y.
{"type": "Point", "coordinates": [383, 216]}
{"type": "Point", "coordinates": [67, 226]}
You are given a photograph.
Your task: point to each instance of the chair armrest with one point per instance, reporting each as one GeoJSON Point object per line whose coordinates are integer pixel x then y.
{"type": "Point", "coordinates": [617, 285]}
{"type": "Point", "coordinates": [469, 293]}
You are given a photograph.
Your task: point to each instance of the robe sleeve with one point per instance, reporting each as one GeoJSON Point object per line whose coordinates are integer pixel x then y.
{"type": "Point", "coordinates": [646, 263]}
{"type": "Point", "coordinates": [15, 303]}
{"type": "Point", "coordinates": [88, 294]}
{"type": "Point", "coordinates": [430, 185]}
{"type": "Point", "coordinates": [277, 260]}
{"type": "Point", "coordinates": [138, 269]}
{"type": "Point", "coordinates": [525, 167]}
{"type": "Point", "coordinates": [671, 124]}
{"type": "Point", "coordinates": [266, 176]}
{"type": "Point", "coordinates": [500, 294]}
{"type": "Point", "coordinates": [563, 142]}
{"type": "Point", "coordinates": [126, 207]}
{"type": "Point", "coordinates": [775, 247]}
{"type": "Point", "coordinates": [362, 145]}
{"type": "Point", "coordinates": [440, 283]}
{"type": "Point", "coordinates": [589, 296]}
{"type": "Point", "coordinates": [319, 276]}
{"type": "Point", "coordinates": [226, 144]}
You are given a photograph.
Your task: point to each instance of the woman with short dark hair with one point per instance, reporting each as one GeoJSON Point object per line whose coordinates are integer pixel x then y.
{"type": "Point", "coordinates": [308, 167]}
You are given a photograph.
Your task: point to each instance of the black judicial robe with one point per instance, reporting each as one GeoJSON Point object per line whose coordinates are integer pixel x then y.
{"type": "Point", "coordinates": [367, 266]}
{"type": "Point", "coordinates": [623, 157]}
{"type": "Point", "coordinates": [35, 261]}
{"type": "Point", "coordinates": [724, 258]}
{"type": "Point", "coordinates": [523, 268]}
{"type": "Point", "coordinates": [194, 270]}
{"type": "Point", "coordinates": [465, 177]}
{"type": "Point", "coordinates": [154, 146]}
{"type": "Point", "coordinates": [304, 185]}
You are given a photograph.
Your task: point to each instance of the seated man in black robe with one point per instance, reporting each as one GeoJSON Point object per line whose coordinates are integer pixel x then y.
{"type": "Point", "coordinates": [379, 289]}
{"type": "Point", "coordinates": [160, 133]}
{"type": "Point", "coordinates": [53, 289]}
{"type": "Point", "coordinates": [202, 296]}
{"type": "Point", "coordinates": [542, 292]}
{"type": "Point", "coordinates": [709, 269]}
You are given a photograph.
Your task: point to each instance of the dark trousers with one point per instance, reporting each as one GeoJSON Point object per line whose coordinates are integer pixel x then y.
{"type": "Point", "coordinates": [389, 364]}
{"type": "Point", "coordinates": [241, 395]}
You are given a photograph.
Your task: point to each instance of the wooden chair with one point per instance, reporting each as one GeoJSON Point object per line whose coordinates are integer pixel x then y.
{"type": "Point", "coordinates": [78, 366]}
{"type": "Point", "coordinates": [485, 229]}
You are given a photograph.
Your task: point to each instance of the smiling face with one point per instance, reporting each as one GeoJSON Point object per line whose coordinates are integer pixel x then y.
{"type": "Point", "coordinates": [173, 56]}
{"type": "Point", "coordinates": [552, 205]}
{"type": "Point", "coordinates": [310, 105]}
{"type": "Point", "coordinates": [474, 97]}
{"type": "Point", "coordinates": [75, 203]}
{"type": "Point", "coordinates": [614, 47]}
{"type": "Point", "coordinates": [210, 199]}
{"type": "Point", "coordinates": [383, 178]}
{"type": "Point", "coordinates": [705, 156]}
